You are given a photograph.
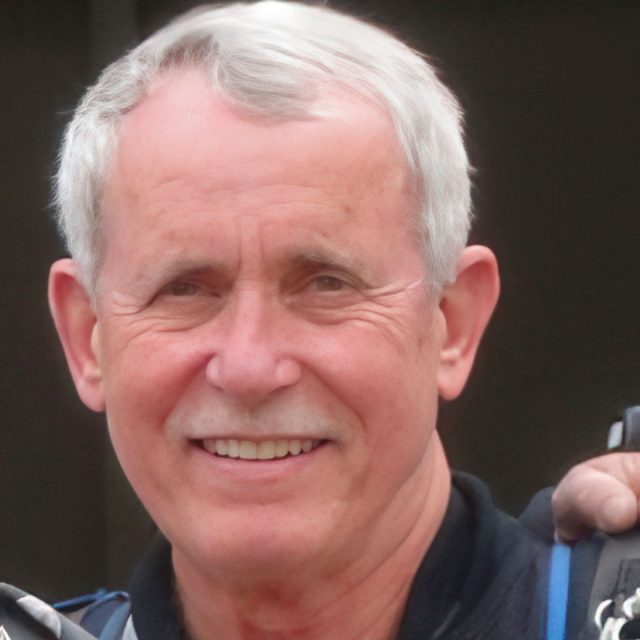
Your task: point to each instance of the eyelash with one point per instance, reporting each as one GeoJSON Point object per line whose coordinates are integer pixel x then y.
{"type": "Point", "coordinates": [178, 288]}
{"type": "Point", "coordinates": [330, 280]}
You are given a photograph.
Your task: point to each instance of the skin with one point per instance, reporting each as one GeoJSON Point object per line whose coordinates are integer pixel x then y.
{"type": "Point", "coordinates": [602, 493]}
{"type": "Point", "coordinates": [263, 281]}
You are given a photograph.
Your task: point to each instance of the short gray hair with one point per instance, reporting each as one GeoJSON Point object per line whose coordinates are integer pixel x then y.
{"type": "Point", "coordinates": [274, 59]}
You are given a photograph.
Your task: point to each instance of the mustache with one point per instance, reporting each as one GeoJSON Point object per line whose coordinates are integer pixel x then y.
{"type": "Point", "coordinates": [215, 418]}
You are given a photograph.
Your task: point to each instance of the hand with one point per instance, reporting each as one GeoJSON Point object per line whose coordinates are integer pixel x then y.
{"type": "Point", "coordinates": [602, 493]}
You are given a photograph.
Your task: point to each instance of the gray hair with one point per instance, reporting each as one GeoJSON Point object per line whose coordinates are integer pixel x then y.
{"type": "Point", "coordinates": [274, 59]}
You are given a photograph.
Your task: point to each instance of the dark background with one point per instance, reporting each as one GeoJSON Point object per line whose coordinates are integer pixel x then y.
{"type": "Point", "coordinates": [552, 94]}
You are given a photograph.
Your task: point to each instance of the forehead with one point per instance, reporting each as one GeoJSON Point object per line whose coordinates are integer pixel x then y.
{"type": "Point", "coordinates": [183, 107]}
{"type": "Point", "coordinates": [184, 149]}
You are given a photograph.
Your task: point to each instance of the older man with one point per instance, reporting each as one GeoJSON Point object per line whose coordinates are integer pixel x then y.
{"type": "Point", "coordinates": [267, 209]}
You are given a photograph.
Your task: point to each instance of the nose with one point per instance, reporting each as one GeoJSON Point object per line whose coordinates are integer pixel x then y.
{"type": "Point", "coordinates": [250, 360]}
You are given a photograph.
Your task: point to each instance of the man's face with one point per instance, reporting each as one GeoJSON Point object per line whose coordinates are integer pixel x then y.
{"type": "Point", "coordinates": [262, 291]}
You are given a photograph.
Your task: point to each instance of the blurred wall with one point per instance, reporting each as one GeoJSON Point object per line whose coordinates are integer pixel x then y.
{"type": "Point", "coordinates": [552, 98]}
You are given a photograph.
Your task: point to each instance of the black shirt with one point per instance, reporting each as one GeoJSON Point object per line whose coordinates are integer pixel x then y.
{"type": "Point", "coordinates": [484, 577]}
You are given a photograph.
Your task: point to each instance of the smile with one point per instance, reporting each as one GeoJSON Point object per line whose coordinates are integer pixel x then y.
{"type": "Point", "coordinates": [264, 450]}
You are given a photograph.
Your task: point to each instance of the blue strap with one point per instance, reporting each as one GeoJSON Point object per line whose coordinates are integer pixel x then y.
{"type": "Point", "coordinates": [105, 612]}
{"type": "Point", "coordinates": [115, 625]}
{"type": "Point", "coordinates": [97, 615]}
{"type": "Point", "coordinates": [558, 593]}
{"type": "Point", "coordinates": [80, 601]}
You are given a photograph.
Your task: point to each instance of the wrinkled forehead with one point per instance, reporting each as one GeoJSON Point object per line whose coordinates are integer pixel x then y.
{"type": "Point", "coordinates": [185, 127]}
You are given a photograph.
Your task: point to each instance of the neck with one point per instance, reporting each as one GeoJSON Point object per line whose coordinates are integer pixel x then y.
{"type": "Point", "coordinates": [364, 600]}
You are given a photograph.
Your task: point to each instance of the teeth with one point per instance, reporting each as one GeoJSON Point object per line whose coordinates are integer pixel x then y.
{"type": "Point", "coordinates": [265, 450]}
{"type": "Point", "coordinates": [234, 448]}
{"type": "Point", "coordinates": [222, 448]}
{"type": "Point", "coordinates": [295, 447]}
{"type": "Point", "coordinates": [248, 450]}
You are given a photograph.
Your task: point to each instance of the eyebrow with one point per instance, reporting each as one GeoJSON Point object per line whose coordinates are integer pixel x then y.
{"type": "Point", "coordinates": [326, 259]}
{"type": "Point", "coordinates": [179, 268]}
{"type": "Point", "coordinates": [312, 259]}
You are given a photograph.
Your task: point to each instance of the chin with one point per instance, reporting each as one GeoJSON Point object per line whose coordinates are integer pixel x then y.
{"type": "Point", "coordinates": [262, 545]}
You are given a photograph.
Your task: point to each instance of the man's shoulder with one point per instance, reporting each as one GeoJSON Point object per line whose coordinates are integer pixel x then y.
{"type": "Point", "coordinates": [480, 577]}
{"type": "Point", "coordinates": [507, 599]}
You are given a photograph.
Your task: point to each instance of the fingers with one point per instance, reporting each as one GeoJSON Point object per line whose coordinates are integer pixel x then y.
{"type": "Point", "coordinates": [602, 493]}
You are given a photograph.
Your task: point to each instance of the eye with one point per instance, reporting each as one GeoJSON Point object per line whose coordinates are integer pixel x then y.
{"type": "Point", "coordinates": [181, 288]}
{"type": "Point", "coordinates": [329, 283]}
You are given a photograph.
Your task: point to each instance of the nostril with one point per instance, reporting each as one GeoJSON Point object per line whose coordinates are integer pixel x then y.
{"type": "Point", "coordinates": [288, 372]}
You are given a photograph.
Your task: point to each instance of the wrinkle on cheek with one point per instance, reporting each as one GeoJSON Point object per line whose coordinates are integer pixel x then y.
{"type": "Point", "coordinates": [127, 320]}
{"type": "Point", "coordinates": [394, 310]}
{"type": "Point", "coordinates": [397, 295]}
{"type": "Point", "coordinates": [123, 305]}
{"type": "Point", "coordinates": [396, 327]}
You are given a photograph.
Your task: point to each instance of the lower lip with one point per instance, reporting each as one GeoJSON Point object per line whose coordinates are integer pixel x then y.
{"type": "Point", "coordinates": [259, 470]}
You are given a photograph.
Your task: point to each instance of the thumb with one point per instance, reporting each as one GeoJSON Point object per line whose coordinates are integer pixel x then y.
{"type": "Point", "coordinates": [602, 493]}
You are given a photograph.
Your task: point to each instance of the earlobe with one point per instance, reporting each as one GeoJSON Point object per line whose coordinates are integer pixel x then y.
{"type": "Point", "coordinates": [466, 307]}
{"type": "Point", "coordinates": [78, 330]}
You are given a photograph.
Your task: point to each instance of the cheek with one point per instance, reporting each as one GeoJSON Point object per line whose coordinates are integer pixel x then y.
{"type": "Point", "coordinates": [390, 386]}
{"type": "Point", "coordinates": [143, 379]}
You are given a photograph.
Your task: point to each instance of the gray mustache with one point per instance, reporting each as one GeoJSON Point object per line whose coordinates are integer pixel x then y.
{"type": "Point", "coordinates": [279, 420]}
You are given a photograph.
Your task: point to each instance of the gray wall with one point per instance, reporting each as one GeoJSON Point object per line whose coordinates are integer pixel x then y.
{"type": "Point", "coordinates": [552, 95]}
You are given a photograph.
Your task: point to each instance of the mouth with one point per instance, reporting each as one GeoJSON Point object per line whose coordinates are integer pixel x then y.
{"type": "Point", "coordinates": [263, 450]}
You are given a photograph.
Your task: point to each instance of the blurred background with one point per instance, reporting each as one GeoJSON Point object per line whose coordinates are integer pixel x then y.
{"type": "Point", "coordinates": [552, 95]}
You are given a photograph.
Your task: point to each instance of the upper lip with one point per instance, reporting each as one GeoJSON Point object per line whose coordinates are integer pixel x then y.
{"type": "Point", "coordinates": [260, 438]}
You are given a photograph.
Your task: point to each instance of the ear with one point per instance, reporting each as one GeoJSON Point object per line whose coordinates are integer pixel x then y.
{"type": "Point", "coordinates": [466, 307]}
{"type": "Point", "coordinates": [77, 327]}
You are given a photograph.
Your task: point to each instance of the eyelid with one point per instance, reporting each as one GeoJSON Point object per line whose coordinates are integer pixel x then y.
{"type": "Point", "coordinates": [197, 284]}
{"type": "Point", "coordinates": [352, 287]}
{"type": "Point", "coordinates": [170, 288]}
{"type": "Point", "coordinates": [305, 280]}
{"type": "Point", "coordinates": [345, 282]}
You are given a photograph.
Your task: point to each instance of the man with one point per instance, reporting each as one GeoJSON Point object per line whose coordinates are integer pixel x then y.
{"type": "Point", "coordinates": [267, 208]}
{"type": "Point", "coordinates": [256, 315]}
